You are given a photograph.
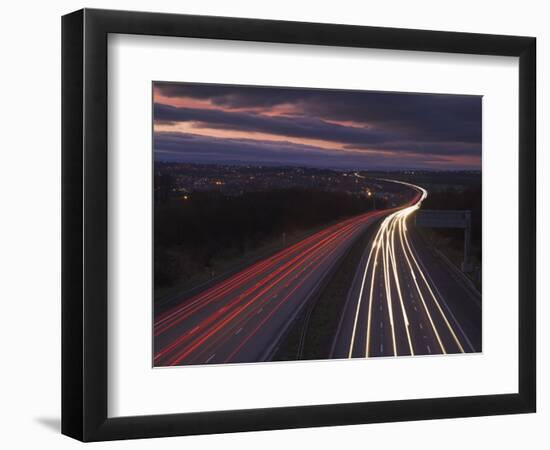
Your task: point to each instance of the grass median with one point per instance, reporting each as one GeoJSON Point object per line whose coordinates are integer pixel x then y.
{"type": "Point", "coordinates": [312, 334]}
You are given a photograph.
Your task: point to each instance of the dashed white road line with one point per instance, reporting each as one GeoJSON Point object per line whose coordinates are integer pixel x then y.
{"type": "Point", "coordinates": [193, 330]}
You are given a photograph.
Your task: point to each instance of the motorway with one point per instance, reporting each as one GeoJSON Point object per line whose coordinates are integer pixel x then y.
{"type": "Point", "coordinates": [396, 307]}
{"type": "Point", "coordinates": [244, 317]}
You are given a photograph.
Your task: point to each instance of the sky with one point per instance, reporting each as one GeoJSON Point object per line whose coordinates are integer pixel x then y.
{"type": "Point", "coordinates": [339, 129]}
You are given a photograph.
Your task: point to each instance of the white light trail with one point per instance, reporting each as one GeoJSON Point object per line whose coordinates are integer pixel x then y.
{"type": "Point", "coordinates": [383, 250]}
{"type": "Point", "coordinates": [374, 246]}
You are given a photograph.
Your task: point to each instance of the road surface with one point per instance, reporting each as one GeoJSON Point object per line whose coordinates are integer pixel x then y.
{"type": "Point", "coordinates": [394, 307]}
{"type": "Point", "coordinates": [243, 318]}
{"type": "Point", "coordinates": [397, 307]}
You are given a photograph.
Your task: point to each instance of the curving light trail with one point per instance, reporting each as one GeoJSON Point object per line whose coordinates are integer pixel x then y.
{"type": "Point", "coordinates": [392, 236]}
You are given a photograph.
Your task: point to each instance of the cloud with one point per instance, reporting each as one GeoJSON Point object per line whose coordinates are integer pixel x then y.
{"type": "Point", "coordinates": [378, 127]}
{"type": "Point", "coordinates": [184, 147]}
{"type": "Point", "coordinates": [301, 127]}
{"type": "Point", "coordinates": [428, 148]}
{"type": "Point", "coordinates": [429, 116]}
{"type": "Point", "coordinates": [233, 97]}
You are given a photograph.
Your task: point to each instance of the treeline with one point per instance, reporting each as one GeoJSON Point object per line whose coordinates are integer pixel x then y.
{"type": "Point", "coordinates": [193, 233]}
{"type": "Point", "coordinates": [469, 199]}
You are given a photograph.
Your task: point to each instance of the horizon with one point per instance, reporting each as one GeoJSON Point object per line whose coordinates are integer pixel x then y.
{"type": "Point", "coordinates": [290, 166]}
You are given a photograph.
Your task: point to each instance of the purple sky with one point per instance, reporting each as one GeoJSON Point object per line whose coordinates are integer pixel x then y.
{"type": "Point", "coordinates": [205, 123]}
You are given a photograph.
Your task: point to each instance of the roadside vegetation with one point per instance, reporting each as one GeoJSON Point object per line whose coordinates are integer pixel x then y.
{"type": "Point", "coordinates": [451, 241]}
{"type": "Point", "coordinates": [199, 235]}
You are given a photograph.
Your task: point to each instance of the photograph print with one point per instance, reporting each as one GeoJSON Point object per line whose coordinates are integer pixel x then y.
{"type": "Point", "coordinates": [311, 224]}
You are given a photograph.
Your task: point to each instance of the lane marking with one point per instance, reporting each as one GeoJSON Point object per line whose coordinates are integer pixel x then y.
{"type": "Point", "coordinates": [360, 298]}
{"type": "Point", "coordinates": [413, 257]}
{"type": "Point", "coordinates": [394, 228]}
{"type": "Point", "coordinates": [193, 330]}
{"type": "Point", "coordinates": [457, 323]}
{"type": "Point", "coordinates": [403, 238]}
{"type": "Point", "coordinates": [393, 262]}
{"type": "Point", "coordinates": [210, 359]}
{"type": "Point", "coordinates": [385, 262]}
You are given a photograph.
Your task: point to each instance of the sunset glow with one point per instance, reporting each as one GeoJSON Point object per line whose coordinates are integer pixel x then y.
{"type": "Point", "coordinates": [317, 128]}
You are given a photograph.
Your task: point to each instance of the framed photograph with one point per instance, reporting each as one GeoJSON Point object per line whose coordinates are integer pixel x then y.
{"type": "Point", "coordinates": [273, 224]}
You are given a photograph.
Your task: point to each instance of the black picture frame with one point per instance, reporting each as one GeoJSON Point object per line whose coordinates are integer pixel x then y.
{"type": "Point", "coordinates": [84, 224]}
